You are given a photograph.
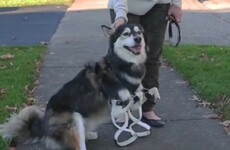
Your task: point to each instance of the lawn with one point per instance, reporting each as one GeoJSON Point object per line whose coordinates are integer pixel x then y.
{"type": "Point", "coordinates": [17, 3]}
{"type": "Point", "coordinates": [18, 73]}
{"type": "Point", "coordinates": [207, 69]}
{"type": "Point", "coordinates": [19, 68]}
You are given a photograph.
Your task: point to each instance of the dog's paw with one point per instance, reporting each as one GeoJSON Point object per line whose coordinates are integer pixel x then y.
{"type": "Point", "coordinates": [91, 136]}
{"type": "Point", "coordinates": [140, 95]}
{"type": "Point", "coordinates": [154, 91]}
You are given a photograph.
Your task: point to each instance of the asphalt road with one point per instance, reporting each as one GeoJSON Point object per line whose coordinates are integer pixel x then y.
{"type": "Point", "coordinates": [29, 25]}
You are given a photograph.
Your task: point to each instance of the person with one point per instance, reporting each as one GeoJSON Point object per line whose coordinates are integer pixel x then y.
{"type": "Point", "coordinates": [151, 15]}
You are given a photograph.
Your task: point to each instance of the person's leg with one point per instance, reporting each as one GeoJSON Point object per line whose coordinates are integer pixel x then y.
{"type": "Point", "coordinates": [148, 105]}
{"type": "Point", "coordinates": [154, 24]}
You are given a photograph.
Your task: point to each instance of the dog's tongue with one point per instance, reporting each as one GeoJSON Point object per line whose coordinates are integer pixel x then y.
{"type": "Point", "coordinates": [136, 49]}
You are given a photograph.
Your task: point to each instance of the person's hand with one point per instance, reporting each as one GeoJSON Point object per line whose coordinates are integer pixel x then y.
{"type": "Point", "coordinates": [119, 21]}
{"type": "Point", "coordinates": [176, 12]}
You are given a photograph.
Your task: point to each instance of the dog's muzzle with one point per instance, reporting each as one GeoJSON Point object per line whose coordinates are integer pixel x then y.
{"type": "Point", "coordinates": [137, 39]}
{"type": "Point", "coordinates": [137, 47]}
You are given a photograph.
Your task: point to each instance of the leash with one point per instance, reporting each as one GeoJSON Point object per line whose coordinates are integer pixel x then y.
{"type": "Point", "coordinates": [125, 108]}
{"type": "Point", "coordinates": [140, 123]}
{"type": "Point", "coordinates": [172, 21]}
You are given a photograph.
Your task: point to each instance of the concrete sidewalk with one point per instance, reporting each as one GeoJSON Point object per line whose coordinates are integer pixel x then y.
{"type": "Point", "coordinates": [79, 39]}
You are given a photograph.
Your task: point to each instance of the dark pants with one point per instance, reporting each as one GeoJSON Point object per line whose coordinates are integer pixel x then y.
{"type": "Point", "coordinates": [154, 24]}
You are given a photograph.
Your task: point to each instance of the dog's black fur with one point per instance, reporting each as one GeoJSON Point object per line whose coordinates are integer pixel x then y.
{"type": "Point", "coordinates": [120, 66]}
{"type": "Point", "coordinates": [87, 94]}
{"type": "Point", "coordinates": [84, 100]}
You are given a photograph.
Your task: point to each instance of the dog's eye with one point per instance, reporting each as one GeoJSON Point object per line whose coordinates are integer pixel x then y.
{"type": "Point", "coordinates": [139, 32]}
{"type": "Point", "coordinates": [126, 34]}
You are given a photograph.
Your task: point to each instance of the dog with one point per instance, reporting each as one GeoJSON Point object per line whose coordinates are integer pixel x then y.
{"type": "Point", "coordinates": [127, 55]}
{"type": "Point", "coordinates": [83, 103]}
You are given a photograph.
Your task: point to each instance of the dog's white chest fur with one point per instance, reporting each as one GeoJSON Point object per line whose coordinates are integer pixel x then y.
{"type": "Point", "coordinates": [130, 79]}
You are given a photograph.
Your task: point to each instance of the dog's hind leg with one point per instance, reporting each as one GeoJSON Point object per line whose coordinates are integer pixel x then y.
{"type": "Point", "coordinates": [79, 123]}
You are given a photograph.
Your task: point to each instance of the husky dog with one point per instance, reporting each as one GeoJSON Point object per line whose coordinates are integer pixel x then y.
{"type": "Point", "coordinates": [127, 55]}
{"type": "Point", "coordinates": [75, 110]}
{"type": "Point", "coordinates": [82, 103]}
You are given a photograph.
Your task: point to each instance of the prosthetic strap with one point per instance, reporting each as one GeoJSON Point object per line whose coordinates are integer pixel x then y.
{"type": "Point", "coordinates": [124, 108]}
{"type": "Point", "coordinates": [140, 123]}
{"type": "Point", "coordinates": [118, 110]}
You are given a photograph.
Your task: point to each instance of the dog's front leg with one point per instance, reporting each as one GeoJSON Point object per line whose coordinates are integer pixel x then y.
{"type": "Point", "coordinates": [79, 123]}
{"type": "Point", "coordinates": [154, 92]}
{"type": "Point", "coordinates": [138, 98]}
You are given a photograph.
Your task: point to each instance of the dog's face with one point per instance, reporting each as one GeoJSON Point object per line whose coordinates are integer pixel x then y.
{"type": "Point", "coordinates": [128, 43]}
{"type": "Point", "coordinates": [129, 37]}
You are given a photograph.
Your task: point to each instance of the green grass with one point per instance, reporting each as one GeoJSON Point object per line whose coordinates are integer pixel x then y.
{"type": "Point", "coordinates": [15, 74]}
{"type": "Point", "coordinates": [207, 69]}
{"type": "Point", "coordinates": [19, 3]}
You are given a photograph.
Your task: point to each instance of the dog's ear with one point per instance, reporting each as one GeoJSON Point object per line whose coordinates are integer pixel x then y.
{"type": "Point", "coordinates": [97, 68]}
{"type": "Point", "coordinates": [145, 37]}
{"type": "Point", "coordinates": [108, 31]}
{"type": "Point", "coordinates": [141, 28]}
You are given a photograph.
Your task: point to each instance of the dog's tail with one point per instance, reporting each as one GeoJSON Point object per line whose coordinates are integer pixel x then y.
{"type": "Point", "coordinates": [24, 127]}
{"type": "Point", "coordinates": [66, 134]}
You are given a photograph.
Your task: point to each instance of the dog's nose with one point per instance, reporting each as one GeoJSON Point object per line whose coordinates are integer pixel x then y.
{"type": "Point", "coordinates": [137, 39]}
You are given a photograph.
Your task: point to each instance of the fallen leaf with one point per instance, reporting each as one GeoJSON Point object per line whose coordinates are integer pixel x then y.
{"type": "Point", "coordinates": [44, 43]}
{"type": "Point", "coordinates": [7, 56]}
{"type": "Point", "coordinates": [11, 109]}
{"type": "Point", "coordinates": [212, 59]}
{"type": "Point", "coordinates": [172, 69]}
{"type": "Point", "coordinates": [26, 87]}
{"type": "Point", "coordinates": [30, 101]}
{"type": "Point", "coordinates": [32, 91]}
{"type": "Point", "coordinates": [3, 67]}
{"type": "Point", "coordinates": [24, 105]}
{"type": "Point", "coordinates": [36, 82]}
{"type": "Point", "coordinates": [212, 116]}
{"type": "Point", "coordinates": [195, 98]}
{"type": "Point", "coordinates": [227, 129]}
{"type": "Point", "coordinates": [225, 99]}
{"type": "Point", "coordinates": [203, 57]}
{"type": "Point", "coordinates": [205, 104]}
{"type": "Point", "coordinates": [191, 57]}
{"type": "Point", "coordinates": [225, 123]}
{"type": "Point", "coordinates": [180, 82]}
{"type": "Point", "coordinates": [2, 91]}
